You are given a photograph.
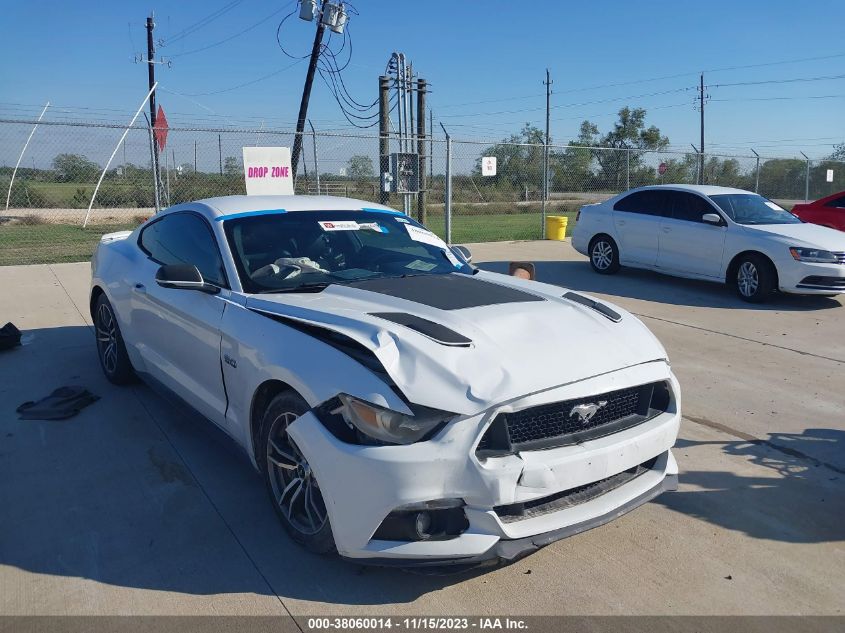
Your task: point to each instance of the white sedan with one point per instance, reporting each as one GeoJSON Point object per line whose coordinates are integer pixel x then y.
{"type": "Point", "coordinates": [403, 406]}
{"type": "Point", "coordinates": [712, 233]}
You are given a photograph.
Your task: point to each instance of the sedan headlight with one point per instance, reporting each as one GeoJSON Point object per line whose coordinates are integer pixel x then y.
{"type": "Point", "coordinates": [813, 255]}
{"type": "Point", "coordinates": [389, 426]}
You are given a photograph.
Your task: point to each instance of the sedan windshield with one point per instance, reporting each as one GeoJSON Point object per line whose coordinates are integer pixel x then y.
{"type": "Point", "coordinates": [301, 250]}
{"type": "Point", "coordinates": [749, 208]}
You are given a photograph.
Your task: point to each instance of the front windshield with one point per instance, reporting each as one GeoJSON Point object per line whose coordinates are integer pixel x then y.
{"type": "Point", "coordinates": [749, 208]}
{"type": "Point", "coordinates": [280, 252]}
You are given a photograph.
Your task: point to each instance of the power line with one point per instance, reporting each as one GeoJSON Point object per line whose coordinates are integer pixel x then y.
{"type": "Point", "coordinates": [573, 105]}
{"type": "Point", "coordinates": [232, 37]}
{"type": "Point", "coordinates": [778, 81]}
{"type": "Point", "coordinates": [246, 83]}
{"type": "Point", "coordinates": [651, 79]}
{"type": "Point", "coordinates": [196, 26]}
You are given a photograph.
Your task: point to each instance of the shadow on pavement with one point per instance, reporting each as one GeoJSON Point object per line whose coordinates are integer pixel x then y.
{"type": "Point", "coordinates": [800, 501]}
{"type": "Point", "coordinates": [138, 493]}
{"type": "Point", "coordinates": [658, 288]}
{"type": "Point", "coordinates": [134, 492]}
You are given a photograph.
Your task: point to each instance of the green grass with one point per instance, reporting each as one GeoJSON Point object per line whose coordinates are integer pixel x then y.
{"type": "Point", "coordinates": [51, 243]}
{"type": "Point", "coordinates": [495, 227]}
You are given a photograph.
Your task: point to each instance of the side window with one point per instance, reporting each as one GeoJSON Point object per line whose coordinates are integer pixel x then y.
{"type": "Point", "coordinates": [648, 202]}
{"type": "Point", "coordinates": [689, 207]}
{"type": "Point", "coordinates": [837, 203]}
{"type": "Point", "coordinates": [183, 238]}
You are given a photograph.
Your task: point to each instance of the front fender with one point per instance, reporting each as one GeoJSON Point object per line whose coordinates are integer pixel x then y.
{"type": "Point", "coordinates": [256, 348]}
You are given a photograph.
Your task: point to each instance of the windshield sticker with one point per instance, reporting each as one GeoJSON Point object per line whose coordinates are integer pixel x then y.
{"type": "Point", "coordinates": [419, 264]}
{"type": "Point", "coordinates": [372, 226]}
{"type": "Point", "coordinates": [422, 235]}
{"type": "Point", "coordinates": [340, 225]}
{"type": "Point", "coordinates": [772, 205]}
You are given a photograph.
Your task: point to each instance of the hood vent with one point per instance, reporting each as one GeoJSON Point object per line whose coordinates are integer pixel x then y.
{"type": "Point", "coordinates": [594, 305]}
{"type": "Point", "coordinates": [436, 332]}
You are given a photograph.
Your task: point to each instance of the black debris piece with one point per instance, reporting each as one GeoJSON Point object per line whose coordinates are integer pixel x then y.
{"type": "Point", "coordinates": [63, 403]}
{"type": "Point", "coordinates": [10, 336]}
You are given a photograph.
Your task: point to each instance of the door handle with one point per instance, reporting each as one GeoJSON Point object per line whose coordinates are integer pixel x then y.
{"type": "Point", "coordinates": [667, 229]}
{"type": "Point", "coordinates": [140, 288]}
{"type": "Point", "coordinates": [620, 222]}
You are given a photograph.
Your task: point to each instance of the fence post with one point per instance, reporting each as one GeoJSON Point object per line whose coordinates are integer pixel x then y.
{"type": "Point", "coordinates": [757, 173]}
{"type": "Point", "coordinates": [544, 188]}
{"type": "Point", "coordinates": [627, 168]}
{"type": "Point", "coordinates": [20, 158]}
{"type": "Point", "coordinates": [447, 201]}
{"type": "Point", "coordinates": [806, 179]}
{"type": "Point", "coordinates": [316, 166]}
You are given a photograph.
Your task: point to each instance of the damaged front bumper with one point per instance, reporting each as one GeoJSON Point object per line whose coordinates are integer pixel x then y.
{"type": "Point", "coordinates": [362, 485]}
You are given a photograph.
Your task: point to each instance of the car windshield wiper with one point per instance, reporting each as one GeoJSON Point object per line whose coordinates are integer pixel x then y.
{"type": "Point", "coordinates": [312, 287]}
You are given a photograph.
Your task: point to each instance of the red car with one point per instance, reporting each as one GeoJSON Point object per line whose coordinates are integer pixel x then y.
{"type": "Point", "coordinates": [828, 211]}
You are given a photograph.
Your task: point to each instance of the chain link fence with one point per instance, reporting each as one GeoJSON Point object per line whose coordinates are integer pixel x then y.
{"type": "Point", "coordinates": [42, 220]}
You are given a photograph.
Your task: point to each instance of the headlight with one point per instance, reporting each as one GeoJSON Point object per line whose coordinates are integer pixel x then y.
{"type": "Point", "coordinates": [386, 425]}
{"type": "Point", "coordinates": [813, 255]}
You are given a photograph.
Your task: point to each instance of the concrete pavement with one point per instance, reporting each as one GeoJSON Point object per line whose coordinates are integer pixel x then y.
{"type": "Point", "coordinates": [135, 506]}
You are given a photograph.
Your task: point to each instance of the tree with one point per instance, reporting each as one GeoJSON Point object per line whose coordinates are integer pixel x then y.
{"type": "Point", "coordinates": [360, 168]}
{"type": "Point", "coordinates": [838, 152]}
{"type": "Point", "coordinates": [74, 168]}
{"type": "Point", "coordinates": [231, 166]}
{"type": "Point", "coordinates": [630, 140]}
{"type": "Point", "coordinates": [519, 160]}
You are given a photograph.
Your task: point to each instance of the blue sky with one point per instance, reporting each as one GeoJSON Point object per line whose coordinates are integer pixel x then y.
{"type": "Point", "coordinates": [79, 55]}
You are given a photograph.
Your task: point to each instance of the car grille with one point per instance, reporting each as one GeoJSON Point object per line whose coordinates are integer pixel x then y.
{"type": "Point", "coordinates": [572, 497]}
{"type": "Point", "coordinates": [573, 421]}
{"type": "Point", "coordinates": [840, 257]}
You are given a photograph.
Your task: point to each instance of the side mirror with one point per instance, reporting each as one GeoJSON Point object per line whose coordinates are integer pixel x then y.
{"type": "Point", "coordinates": [463, 252]}
{"type": "Point", "coordinates": [183, 277]}
{"type": "Point", "coordinates": [712, 218]}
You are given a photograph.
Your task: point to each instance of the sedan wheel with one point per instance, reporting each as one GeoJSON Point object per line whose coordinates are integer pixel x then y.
{"type": "Point", "coordinates": [747, 280]}
{"type": "Point", "coordinates": [291, 482]}
{"type": "Point", "coordinates": [604, 257]}
{"type": "Point", "coordinates": [755, 278]}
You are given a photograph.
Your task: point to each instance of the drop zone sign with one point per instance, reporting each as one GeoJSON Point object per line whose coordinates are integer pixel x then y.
{"type": "Point", "coordinates": [267, 171]}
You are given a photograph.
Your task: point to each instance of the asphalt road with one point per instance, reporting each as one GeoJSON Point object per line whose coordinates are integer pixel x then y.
{"type": "Point", "coordinates": [135, 507]}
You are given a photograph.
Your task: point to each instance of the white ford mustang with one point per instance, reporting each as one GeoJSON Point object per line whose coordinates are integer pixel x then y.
{"type": "Point", "coordinates": [403, 406]}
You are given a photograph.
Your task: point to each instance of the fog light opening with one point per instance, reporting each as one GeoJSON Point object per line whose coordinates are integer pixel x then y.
{"type": "Point", "coordinates": [423, 524]}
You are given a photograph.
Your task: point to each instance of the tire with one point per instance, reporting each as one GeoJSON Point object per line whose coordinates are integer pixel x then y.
{"type": "Point", "coordinates": [111, 351]}
{"type": "Point", "coordinates": [754, 278]}
{"type": "Point", "coordinates": [604, 255]}
{"type": "Point", "coordinates": [291, 484]}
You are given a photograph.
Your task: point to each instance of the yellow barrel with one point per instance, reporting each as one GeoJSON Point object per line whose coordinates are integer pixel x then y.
{"type": "Point", "coordinates": [556, 227]}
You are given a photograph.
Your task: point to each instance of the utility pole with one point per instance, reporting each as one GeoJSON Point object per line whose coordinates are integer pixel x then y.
{"type": "Point", "coordinates": [421, 185]}
{"type": "Point", "coordinates": [701, 155]}
{"type": "Point", "coordinates": [151, 76]}
{"type": "Point", "coordinates": [384, 137]}
{"type": "Point", "coordinates": [306, 94]}
{"type": "Point", "coordinates": [548, 84]}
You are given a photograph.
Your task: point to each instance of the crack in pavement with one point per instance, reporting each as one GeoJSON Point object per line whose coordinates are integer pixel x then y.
{"type": "Point", "coordinates": [741, 338]}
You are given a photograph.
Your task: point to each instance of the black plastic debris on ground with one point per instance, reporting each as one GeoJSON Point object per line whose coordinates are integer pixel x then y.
{"type": "Point", "coordinates": [63, 403]}
{"type": "Point", "coordinates": [10, 336]}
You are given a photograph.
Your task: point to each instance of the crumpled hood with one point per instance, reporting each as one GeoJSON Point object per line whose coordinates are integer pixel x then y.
{"type": "Point", "coordinates": [517, 348]}
{"type": "Point", "coordinates": [807, 235]}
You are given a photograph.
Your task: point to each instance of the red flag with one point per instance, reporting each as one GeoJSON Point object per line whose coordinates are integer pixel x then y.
{"type": "Point", "coordinates": [160, 128]}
